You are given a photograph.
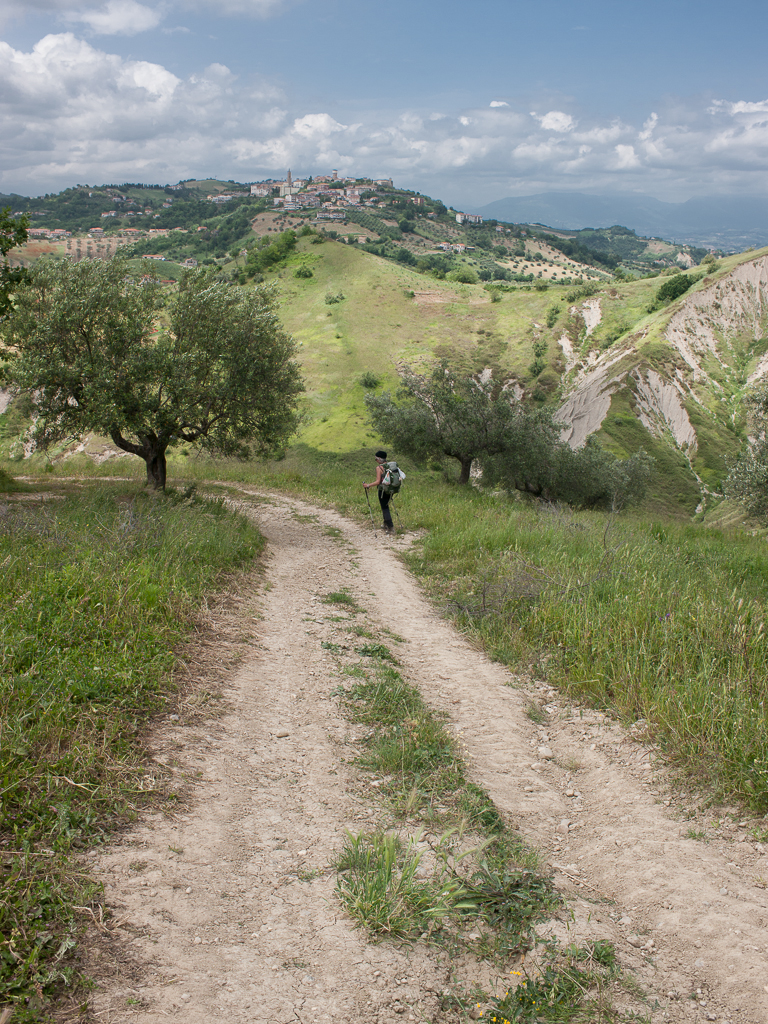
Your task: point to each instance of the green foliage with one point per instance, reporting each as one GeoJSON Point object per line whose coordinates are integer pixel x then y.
{"type": "Point", "coordinates": [590, 477]}
{"type": "Point", "coordinates": [448, 413]}
{"type": "Point", "coordinates": [272, 254]}
{"type": "Point", "coordinates": [552, 315]}
{"type": "Point", "coordinates": [379, 886]}
{"type": "Point", "coordinates": [13, 232]}
{"type": "Point", "coordinates": [332, 299]}
{"type": "Point", "coordinates": [219, 376]}
{"type": "Point", "coordinates": [7, 483]}
{"type": "Point", "coordinates": [405, 256]}
{"type": "Point", "coordinates": [98, 591]}
{"type": "Point", "coordinates": [370, 380]}
{"type": "Point", "coordinates": [464, 417]}
{"type": "Point", "coordinates": [566, 986]}
{"type": "Point", "coordinates": [463, 275]}
{"type": "Point", "coordinates": [585, 291]}
{"type": "Point", "coordinates": [409, 744]}
{"type": "Point", "coordinates": [673, 288]}
{"type": "Point", "coordinates": [303, 271]}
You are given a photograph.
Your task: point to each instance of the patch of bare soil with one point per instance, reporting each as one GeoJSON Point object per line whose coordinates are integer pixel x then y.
{"type": "Point", "coordinates": [227, 912]}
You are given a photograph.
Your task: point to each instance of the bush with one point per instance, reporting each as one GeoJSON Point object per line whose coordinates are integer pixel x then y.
{"type": "Point", "coordinates": [7, 483]}
{"type": "Point", "coordinates": [303, 272]}
{"type": "Point", "coordinates": [464, 275]}
{"type": "Point", "coordinates": [331, 299]}
{"type": "Point", "coordinates": [370, 380]}
{"type": "Point", "coordinates": [673, 288]}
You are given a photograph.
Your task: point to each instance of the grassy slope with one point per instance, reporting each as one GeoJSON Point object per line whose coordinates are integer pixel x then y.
{"type": "Point", "coordinates": [378, 323]}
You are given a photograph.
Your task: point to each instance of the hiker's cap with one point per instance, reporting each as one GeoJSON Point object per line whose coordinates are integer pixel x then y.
{"type": "Point", "coordinates": [381, 455]}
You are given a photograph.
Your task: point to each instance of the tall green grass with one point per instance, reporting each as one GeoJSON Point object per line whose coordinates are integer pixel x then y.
{"type": "Point", "coordinates": [98, 591]}
{"type": "Point", "coordinates": [659, 622]}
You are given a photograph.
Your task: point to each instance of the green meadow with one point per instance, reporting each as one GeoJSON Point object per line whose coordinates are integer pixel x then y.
{"type": "Point", "coordinates": [651, 616]}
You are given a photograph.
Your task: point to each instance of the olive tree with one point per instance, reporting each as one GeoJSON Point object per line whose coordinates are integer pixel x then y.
{"type": "Point", "coordinates": [13, 232]}
{"type": "Point", "coordinates": [448, 412]}
{"type": "Point", "coordinates": [99, 349]}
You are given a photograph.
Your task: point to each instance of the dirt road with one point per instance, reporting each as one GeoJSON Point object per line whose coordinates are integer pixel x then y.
{"type": "Point", "coordinates": [226, 912]}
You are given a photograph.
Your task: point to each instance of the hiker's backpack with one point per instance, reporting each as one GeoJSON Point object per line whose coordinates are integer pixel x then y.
{"type": "Point", "coordinates": [392, 479]}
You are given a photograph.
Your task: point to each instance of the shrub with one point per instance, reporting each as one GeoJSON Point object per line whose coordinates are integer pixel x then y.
{"type": "Point", "coordinates": [303, 272]}
{"type": "Point", "coordinates": [464, 275]}
{"type": "Point", "coordinates": [370, 380]}
{"type": "Point", "coordinates": [673, 288]}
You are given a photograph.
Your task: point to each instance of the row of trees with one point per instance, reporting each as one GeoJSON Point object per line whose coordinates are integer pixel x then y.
{"type": "Point", "coordinates": [447, 413]}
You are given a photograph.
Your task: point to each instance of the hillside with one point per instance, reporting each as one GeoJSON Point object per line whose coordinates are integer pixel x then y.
{"type": "Point", "coordinates": [670, 381]}
{"type": "Point", "coordinates": [594, 345]}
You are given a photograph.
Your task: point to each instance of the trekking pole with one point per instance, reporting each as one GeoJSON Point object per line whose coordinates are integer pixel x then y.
{"type": "Point", "coordinates": [373, 524]}
{"type": "Point", "coordinates": [399, 520]}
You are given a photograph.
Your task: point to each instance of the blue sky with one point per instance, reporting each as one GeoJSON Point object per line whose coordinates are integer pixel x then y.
{"type": "Point", "coordinates": [465, 102]}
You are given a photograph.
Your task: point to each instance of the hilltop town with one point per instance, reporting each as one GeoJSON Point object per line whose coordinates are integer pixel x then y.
{"type": "Point", "coordinates": [208, 221]}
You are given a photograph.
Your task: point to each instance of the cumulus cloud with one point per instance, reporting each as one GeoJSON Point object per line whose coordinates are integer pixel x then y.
{"type": "Point", "coordinates": [71, 111]}
{"type": "Point", "coordinates": [499, 103]}
{"type": "Point", "coordinates": [555, 121]}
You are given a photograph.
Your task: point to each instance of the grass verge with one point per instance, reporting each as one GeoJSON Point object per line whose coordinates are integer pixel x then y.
{"type": "Point", "coordinates": [450, 870]}
{"type": "Point", "coordinates": [461, 866]}
{"type": "Point", "coordinates": [99, 590]}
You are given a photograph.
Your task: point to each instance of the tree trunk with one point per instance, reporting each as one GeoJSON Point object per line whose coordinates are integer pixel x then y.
{"type": "Point", "coordinates": [466, 466]}
{"type": "Point", "coordinates": [156, 469]}
{"type": "Point", "coordinates": [152, 449]}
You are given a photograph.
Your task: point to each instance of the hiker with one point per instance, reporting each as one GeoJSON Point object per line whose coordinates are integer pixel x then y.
{"type": "Point", "coordinates": [384, 494]}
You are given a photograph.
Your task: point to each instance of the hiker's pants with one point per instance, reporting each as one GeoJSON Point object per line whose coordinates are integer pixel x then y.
{"type": "Point", "coordinates": [384, 502]}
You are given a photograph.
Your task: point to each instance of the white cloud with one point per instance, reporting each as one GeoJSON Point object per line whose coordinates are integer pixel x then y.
{"type": "Point", "coordinates": [70, 111]}
{"type": "Point", "coordinates": [555, 121]}
{"type": "Point", "coordinates": [118, 17]}
{"type": "Point", "coordinates": [740, 107]}
{"type": "Point", "coordinates": [257, 8]}
{"type": "Point", "coordinates": [648, 128]}
{"type": "Point", "coordinates": [626, 157]}
{"type": "Point", "coordinates": [317, 126]}
{"type": "Point", "coordinates": [498, 103]}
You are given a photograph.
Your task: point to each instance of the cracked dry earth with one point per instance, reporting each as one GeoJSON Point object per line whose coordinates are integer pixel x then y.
{"type": "Point", "coordinates": [227, 912]}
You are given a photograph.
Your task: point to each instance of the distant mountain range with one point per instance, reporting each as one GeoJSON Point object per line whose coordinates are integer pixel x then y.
{"type": "Point", "coordinates": [724, 222]}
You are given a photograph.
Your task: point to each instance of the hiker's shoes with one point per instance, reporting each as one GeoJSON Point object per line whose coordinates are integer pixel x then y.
{"type": "Point", "coordinates": [389, 530]}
